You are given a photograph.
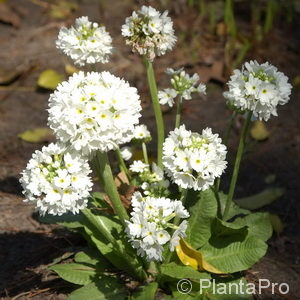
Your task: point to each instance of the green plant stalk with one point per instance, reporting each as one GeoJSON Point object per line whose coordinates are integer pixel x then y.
{"type": "Point", "coordinates": [106, 177]}
{"type": "Point", "coordinates": [229, 18]}
{"type": "Point", "coordinates": [237, 164]}
{"type": "Point", "coordinates": [176, 221]}
{"type": "Point", "coordinates": [157, 110]}
{"type": "Point", "coordinates": [145, 153]}
{"type": "Point", "coordinates": [178, 111]}
{"type": "Point", "coordinates": [225, 142]}
{"type": "Point", "coordinates": [104, 231]}
{"type": "Point", "coordinates": [122, 164]}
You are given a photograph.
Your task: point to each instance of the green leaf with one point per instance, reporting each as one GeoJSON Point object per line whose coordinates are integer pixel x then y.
{"type": "Point", "coordinates": [259, 225]}
{"type": "Point", "coordinates": [176, 271]}
{"type": "Point", "coordinates": [227, 289]}
{"type": "Point", "coordinates": [221, 228]}
{"type": "Point", "coordinates": [146, 292]}
{"type": "Point", "coordinates": [277, 224]}
{"type": "Point", "coordinates": [234, 209]}
{"type": "Point", "coordinates": [202, 213]}
{"type": "Point", "coordinates": [261, 199]}
{"type": "Point", "coordinates": [68, 220]}
{"type": "Point", "coordinates": [49, 79]}
{"type": "Point", "coordinates": [37, 135]}
{"type": "Point", "coordinates": [93, 258]}
{"type": "Point", "coordinates": [75, 273]}
{"type": "Point", "coordinates": [106, 288]}
{"type": "Point", "coordinates": [233, 253]}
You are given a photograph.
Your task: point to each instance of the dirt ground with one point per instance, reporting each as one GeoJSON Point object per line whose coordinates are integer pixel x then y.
{"type": "Point", "coordinates": [27, 37]}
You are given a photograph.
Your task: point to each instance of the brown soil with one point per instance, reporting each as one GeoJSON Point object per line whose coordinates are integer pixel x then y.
{"type": "Point", "coordinates": [27, 36]}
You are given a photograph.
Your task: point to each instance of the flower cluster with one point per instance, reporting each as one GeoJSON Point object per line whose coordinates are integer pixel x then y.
{"type": "Point", "coordinates": [86, 43]}
{"type": "Point", "coordinates": [152, 182]}
{"type": "Point", "coordinates": [149, 32]}
{"type": "Point", "coordinates": [94, 111]}
{"type": "Point", "coordinates": [194, 160]}
{"type": "Point", "coordinates": [183, 85]}
{"type": "Point", "coordinates": [56, 181]}
{"type": "Point", "coordinates": [149, 225]}
{"type": "Point", "coordinates": [258, 88]}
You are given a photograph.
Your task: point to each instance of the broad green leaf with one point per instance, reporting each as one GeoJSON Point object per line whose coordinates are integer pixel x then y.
{"type": "Point", "coordinates": [221, 228]}
{"type": "Point", "coordinates": [105, 288]}
{"type": "Point", "coordinates": [233, 253]}
{"type": "Point", "coordinates": [202, 213]}
{"type": "Point", "coordinates": [176, 271]}
{"type": "Point", "coordinates": [75, 273]}
{"type": "Point", "coordinates": [37, 135]}
{"type": "Point", "coordinates": [68, 220]}
{"type": "Point", "coordinates": [261, 199]}
{"type": "Point", "coordinates": [146, 292]}
{"type": "Point", "coordinates": [259, 131]}
{"type": "Point", "coordinates": [259, 225]}
{"type": "Point", "coordinates": [49, 79]}
{"type": "Point", "coordinates": [191, 257]}
{"type": "Point", "coordinates": [93, 258]}
{"type": "Point", "coordinates": [234, 209]}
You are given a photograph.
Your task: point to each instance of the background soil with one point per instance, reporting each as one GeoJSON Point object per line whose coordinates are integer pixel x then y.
{"type": "Point", "coordinates": [27, 36]}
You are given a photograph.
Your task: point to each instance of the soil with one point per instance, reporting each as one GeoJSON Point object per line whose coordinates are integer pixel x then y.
{"type": "Point", "coordinates": [27, 35]}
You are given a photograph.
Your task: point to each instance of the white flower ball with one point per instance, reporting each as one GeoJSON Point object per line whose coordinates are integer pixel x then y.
{"type": "Point", "coordinates": [258, 88]}
{"type": "Point", "coordinates": [56, 181]}
{"type": "Point", "coordinates": [94, 111]}
{"type": "Point", "coordinates": [194, 160]}
{"type": "Point", "coordinates": [86, 43]}
{"type": "Point", "coordinates": [149, 32]}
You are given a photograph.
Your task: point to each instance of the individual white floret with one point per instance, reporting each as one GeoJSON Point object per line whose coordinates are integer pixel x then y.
{"type": "Point", "coordinates": [141, 132]}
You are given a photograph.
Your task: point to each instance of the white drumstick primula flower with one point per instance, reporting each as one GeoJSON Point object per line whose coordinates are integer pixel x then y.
{"type": "Point", "coordinates": [126, 153]}
{"type": "Point", "coordinates": [149, 32]}
{"type": "Point", "coordinates": [57, 181]}
{"type": "Point", "coordinates": [86, 42]}
{"type": "Point", "coordinates": [194, 160]}
{"type": "Point", "coordinates": [94, 111]}
{"type": "Point", "coordinates": [149, 228]}
{"type": "Point", "coordinates": [259, 88]}
{"type": "Point", "coordinates": [183, 85]}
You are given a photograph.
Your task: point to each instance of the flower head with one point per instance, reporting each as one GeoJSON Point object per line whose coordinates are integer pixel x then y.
{"type": "Point", "coordinates": [56, 181]}
{"type": "Point", "coordinates": [94, 111]}
{"type": "Point", "coordinates": [182, 84]}
{"type": "Point", "coordinates": [258, 88]}
{"type": "Point", "coordinates": [86, 43]}
{"type": "Point", "coordinates": [151, 181]}
{"type": "Point", "coordinates": [194, 160]}
{"type": "Point", "coordinates": [149, 32]}
{"type": "Point", "coordinates": [149, 228]}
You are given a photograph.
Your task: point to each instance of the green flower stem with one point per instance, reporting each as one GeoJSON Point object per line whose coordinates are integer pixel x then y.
{"type": "Point", "coordinates": [225, 141]}
{"type": "Point", "coordinates": [178, 111]}
{"type": "Point", "coordinates": [122, 164]}
{"type": "Point", "coordinates": [145, 153]}
{"type": "Point", "coordinates": [176, 221]}
{"type": "Point", "coordinates": [97, 223]}
{"type": "Point", "coordinates": [237, 164]}
{"type": "Point", "coordinates": [157, 110]}
{"type": "Point", "coordinates": [105, 175]}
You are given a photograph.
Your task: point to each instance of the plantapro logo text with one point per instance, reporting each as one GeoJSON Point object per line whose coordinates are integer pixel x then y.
{"type": "Point", "coordinates": [185, 286]}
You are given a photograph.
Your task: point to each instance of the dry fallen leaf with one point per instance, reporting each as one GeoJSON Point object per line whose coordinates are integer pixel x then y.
{"type": "Point", "coordinates": [7, 15]}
